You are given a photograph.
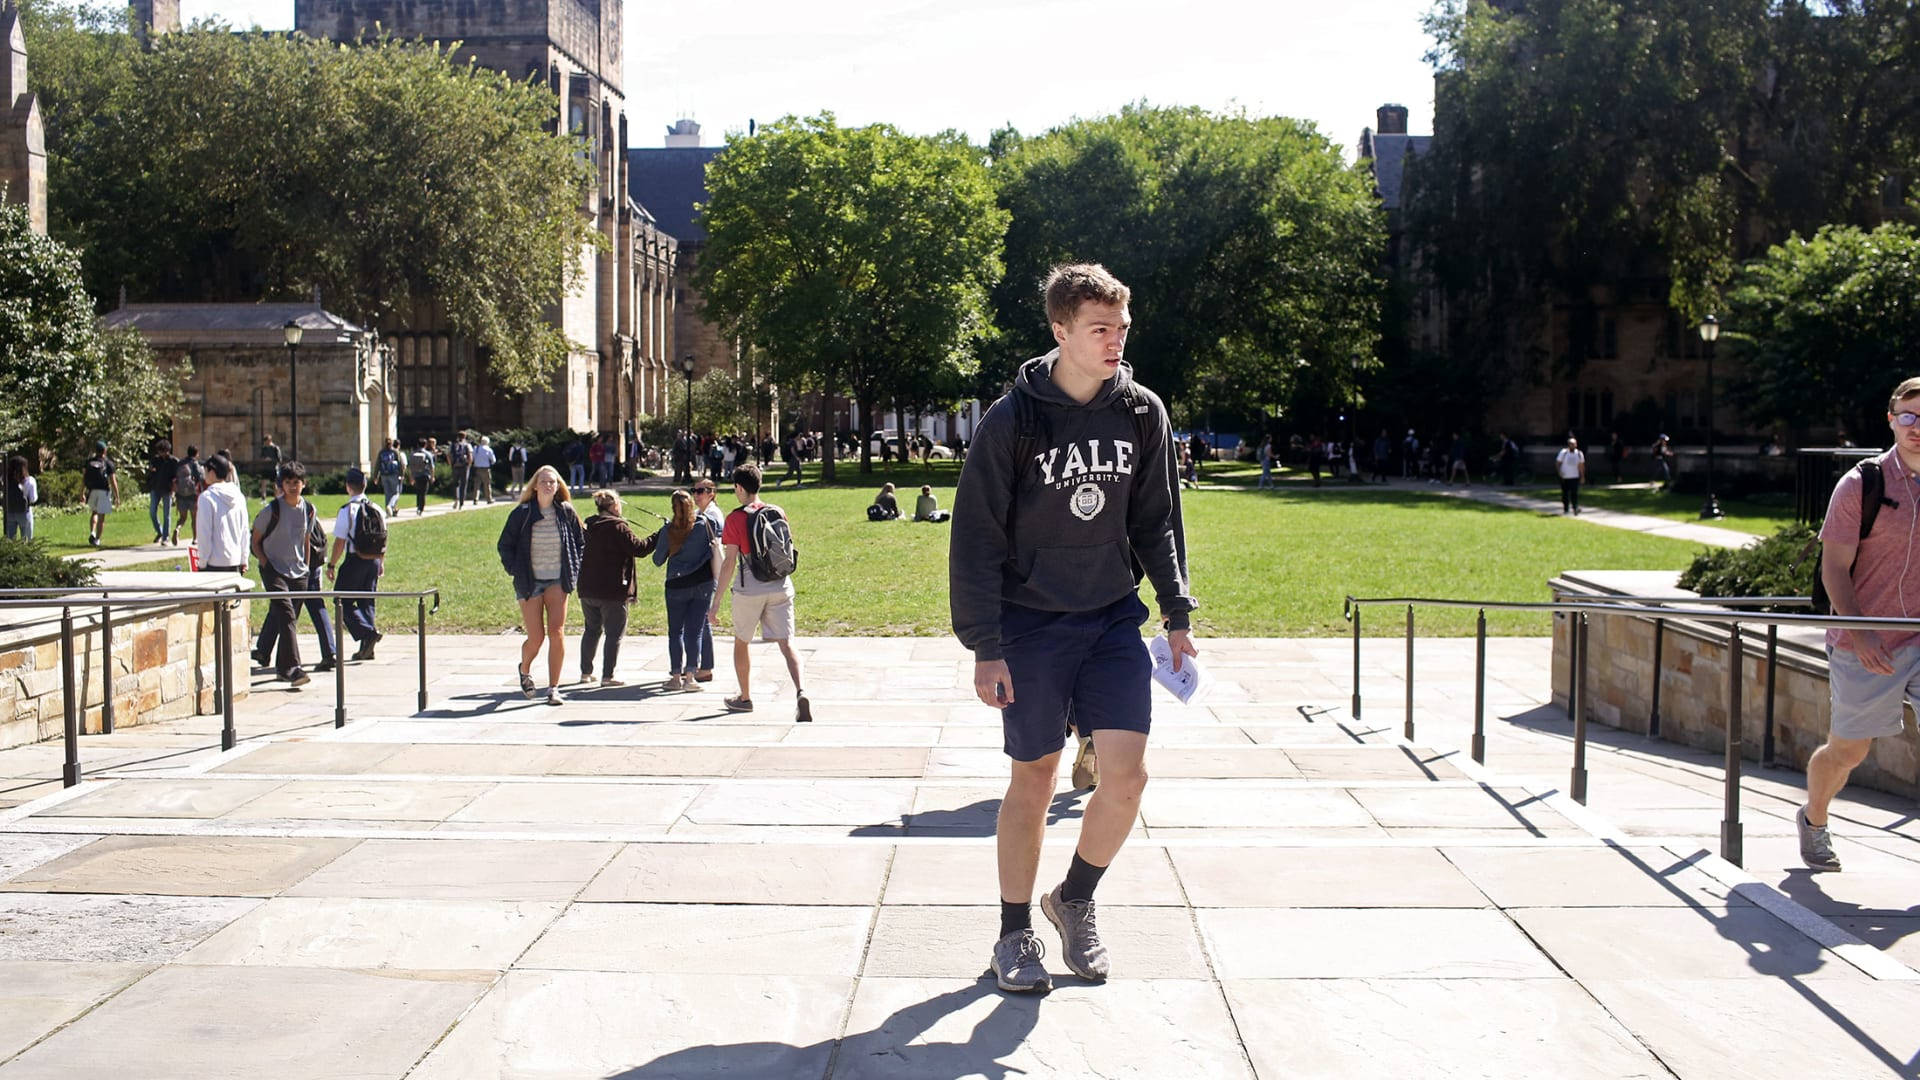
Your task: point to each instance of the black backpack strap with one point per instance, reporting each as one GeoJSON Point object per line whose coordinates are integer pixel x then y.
{"type": "Point", "coordinates": [1873, 494]}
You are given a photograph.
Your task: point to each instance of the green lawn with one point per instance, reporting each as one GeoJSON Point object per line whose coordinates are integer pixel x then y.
{"type": "Point", "coordinates": [65, 528]}
{"type": "Point", "coordinates": [1759, 514]}
{"type": "Point", "coordinates": [1264, 563]}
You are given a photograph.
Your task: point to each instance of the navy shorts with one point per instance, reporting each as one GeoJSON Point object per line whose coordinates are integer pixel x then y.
{"type": "Point", "coordinates": [1089, 668]}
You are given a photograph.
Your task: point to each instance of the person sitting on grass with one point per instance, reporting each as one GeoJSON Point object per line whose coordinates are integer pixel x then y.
{"type": "Point", "coordinates": [926, 507]}
{"type": "Point", "coordinates": [885, 506]}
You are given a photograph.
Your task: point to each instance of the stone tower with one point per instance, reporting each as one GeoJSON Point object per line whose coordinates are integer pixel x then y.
{"type": "Point", "coordinates": [156, 17]}
{"type": "Point", "coordinates": [23, 143]}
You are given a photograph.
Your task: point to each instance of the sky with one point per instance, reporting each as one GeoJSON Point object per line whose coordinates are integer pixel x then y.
{"type": "Point", "coordinates": [978, 65]}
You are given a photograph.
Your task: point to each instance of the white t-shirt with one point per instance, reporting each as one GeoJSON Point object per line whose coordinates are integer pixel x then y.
{"type": "Point", "coordinates": [1570, 462]}
{"type": "Point", "coordinates": [343, 521]}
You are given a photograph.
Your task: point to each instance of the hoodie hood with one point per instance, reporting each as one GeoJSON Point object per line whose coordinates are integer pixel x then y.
{"type": "Point", "coordinates": [1035, 379]}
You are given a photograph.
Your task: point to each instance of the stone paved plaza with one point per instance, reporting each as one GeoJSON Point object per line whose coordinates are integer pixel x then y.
{"type": "Point", "coordinates": [638, 885]}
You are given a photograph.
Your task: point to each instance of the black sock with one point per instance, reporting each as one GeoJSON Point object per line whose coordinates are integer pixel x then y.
{"type": "Point", "coordinates": [1015, 917]}
{"type": "Point", "coordinates": [1082, 878]}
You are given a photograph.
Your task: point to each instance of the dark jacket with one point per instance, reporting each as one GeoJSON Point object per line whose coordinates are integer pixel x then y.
{"type": "Point", "coordinates": [695, 552]}
{"type": "Point", "coordinates": [516, 545]}
{"type": "Point", "coordinates": [1089, 502]}
{"type": "Point", "coordinates": [606, 569]}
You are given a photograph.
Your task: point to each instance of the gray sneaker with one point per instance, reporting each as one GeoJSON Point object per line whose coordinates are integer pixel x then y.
{"type": "Point", "coordinates": [1080, 943]}
{"type": "Point", "coordinates": [1816, 843]}
{"type": "Point", "coordinates": [1017, 966]}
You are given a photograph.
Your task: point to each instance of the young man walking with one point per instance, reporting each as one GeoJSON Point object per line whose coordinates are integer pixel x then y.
{"type": "Point", "coordinates": [280, 542]}
{"type": "Point", "coordinates": [103, 490]}
{"type": "Point", "coordinates": [421, 462]}
{"type": "Point", "coordinates": [703, 500]}
{"type": "Point", "coordinates": [1871, 673]}
{"type": "Point", "coordinates": [352, 570]}
{"type": "Point", "coordinates": [756, 601]}
{"type": "Point", "coordinates": [188, 479]}
{"type": "Point", "coordinates": [460, 457]}
{"type": "Point", "coordinates": [388, 467]}
{"type": "Point", "coordinates": [1071, 480]}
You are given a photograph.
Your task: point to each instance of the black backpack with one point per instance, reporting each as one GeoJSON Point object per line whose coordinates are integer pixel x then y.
{"type": "Point", "coordinates": [187, 478]}
{"type": "Point", "coordinates": [95, 478]}
{"type": "Point", "coordinates": [770, 551]}
{"type": "Point", "coordinates": [1873, 495]}
{"type": "Point", "coordinates": [1030, 429]}
{"type": "Point", "coordinates": [369, 537]}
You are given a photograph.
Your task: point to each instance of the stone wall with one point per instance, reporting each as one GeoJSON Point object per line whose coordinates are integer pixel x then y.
{"type": "Point", "coordinates": [1694, 681]}
{"type": "Point", "coordinates": [239, 394]}
{"type": "Point", "coordinates": [162, 660]}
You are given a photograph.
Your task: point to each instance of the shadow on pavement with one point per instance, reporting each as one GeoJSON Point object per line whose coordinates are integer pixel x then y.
{"type": "Point", "coordinates": [976, 819]}
{"type": "Point", "coordinates": [886, 1051]}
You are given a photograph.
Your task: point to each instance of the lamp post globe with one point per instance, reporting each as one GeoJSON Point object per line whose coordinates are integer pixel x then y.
{"type": "Point", "coordinates": [686, 366]}
{"type": "Point", "coordinates": [292, 334]}
{"type": "Point", "coordinates": [1710, 333]}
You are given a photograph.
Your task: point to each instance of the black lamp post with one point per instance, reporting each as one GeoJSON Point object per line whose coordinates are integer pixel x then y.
{"type": "Point", "coordinates": [1710, 333]}
{"type": "Point", "coordinates": [686, 366]}
{"type": "Point", "coordinates": [293, 333]}
{"type": "Point", "coordinates": [1353, 425]}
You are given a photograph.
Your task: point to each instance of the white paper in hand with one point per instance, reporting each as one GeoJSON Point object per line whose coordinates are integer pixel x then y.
{"type": "Point", "coordinates": [1189, 684]}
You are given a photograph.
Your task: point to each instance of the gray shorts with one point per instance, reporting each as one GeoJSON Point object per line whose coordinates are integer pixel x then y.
{"type": "Point", "coordinates": [100, 500]}
{"type": "Point", "coordinates": [1869, 706]}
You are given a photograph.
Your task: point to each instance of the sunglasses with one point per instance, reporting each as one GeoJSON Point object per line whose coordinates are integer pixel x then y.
{"type": "Point", "coordinates": [1906, 419]}
{"type": "Point", "coordinates": [709, 491]}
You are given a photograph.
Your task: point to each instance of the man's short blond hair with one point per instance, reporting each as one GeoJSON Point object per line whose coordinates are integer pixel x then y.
{"type": "Point", "coordinates": [1902, 392]}
{"type": "Point", "coordinates": [1071, 284]}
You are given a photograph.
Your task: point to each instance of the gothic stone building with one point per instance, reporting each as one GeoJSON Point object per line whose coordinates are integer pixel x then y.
{"type": "Point", "coordinates": [23, 147]}
{"type": "Point", "coordinates": [621, 317]}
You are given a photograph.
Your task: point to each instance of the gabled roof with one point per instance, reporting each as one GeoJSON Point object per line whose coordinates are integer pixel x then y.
{"type": "Point", "coordinates": [668, 181]}
{"type": "Point", "coordinates": [234, 324]}
{"type": "Point", "coordinates": [1390, 153]}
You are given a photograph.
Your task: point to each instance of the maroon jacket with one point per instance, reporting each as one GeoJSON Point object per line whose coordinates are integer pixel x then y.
{"type": "Point", "coordinates": [606, 570]}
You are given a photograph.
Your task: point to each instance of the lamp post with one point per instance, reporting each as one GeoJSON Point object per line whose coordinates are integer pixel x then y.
{"type": "Point", "coordinates": [293, 332]}
{"type": "Point", "coordinates": [686, 366]}
{"type": "Point", "coordinates": [1710, 333]}
{"type": "Point", "coordinates": [1353, 425]}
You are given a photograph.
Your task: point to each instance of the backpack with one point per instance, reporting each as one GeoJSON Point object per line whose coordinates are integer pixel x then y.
{"type": "Point", "coordinates": [95, 478]}
{"type": "Point", "coordinates": [389, 462]}
{"type": "Point", "coordinates": [1030, 429]}
{"type": "Point", "coordinates": [770, 551]}
{"type": "Point", "coordinates": [186, 479]}
{"type": "Point", "coordinates": [1873, 495]}
{"type": "Point", "coordinates": [316, 536]}
{"type": "Point", "coordinates": [460, 454]}
{"type": "Point", "coordinates": [422, 464]}
{"type": "Point", "coordinates": [369, 537]}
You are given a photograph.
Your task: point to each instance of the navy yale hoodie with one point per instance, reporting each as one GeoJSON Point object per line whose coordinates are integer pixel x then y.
{"type": "Point", "coordinates": [1088, 503]}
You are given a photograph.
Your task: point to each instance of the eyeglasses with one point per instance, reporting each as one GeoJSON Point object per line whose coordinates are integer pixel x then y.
{"type": "Point", "coordinates": [709, 491]}
{"type": "Point", "coordinates": [1906, 419]}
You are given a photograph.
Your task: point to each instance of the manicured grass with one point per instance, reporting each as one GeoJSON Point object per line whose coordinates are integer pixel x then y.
{"type": "Point", "coordinates": [1760, 515]}
{"type": "Point", "coordinates": [65, 528]}
{"type": "Point", "coordinates": [1264, 563]}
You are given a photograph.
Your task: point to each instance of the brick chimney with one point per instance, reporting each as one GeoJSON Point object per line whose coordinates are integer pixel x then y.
{"type": "Point", "coordinates": [1390, 120]}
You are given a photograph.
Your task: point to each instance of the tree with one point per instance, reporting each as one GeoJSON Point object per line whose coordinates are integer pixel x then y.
{"type": "Point", "coordinates": [1251, 247]}
{"type": "Point", "coordinates": [1648, 143]}
{"type": "Point", "coordinates": [220, 166]}
{"type": "Point", "coordinates": [1827, 326]}
{"type": "Point", "coordinates": [854, 260]}
{"type": "Point", "coordinates": [68, 382]}
{"type": "Point", "coordinates": [720, 404]}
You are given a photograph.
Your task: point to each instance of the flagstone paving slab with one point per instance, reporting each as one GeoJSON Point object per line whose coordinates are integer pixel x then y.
{"type": "Point", "coordinates": [177, 798]}
{"type": "Point", "coordinates": [654, 761]}
{"type": "Point", "coordinates": [743, 873]}
{"type": "Point", "coordinates": [431, 759]}
{"type": "Point", "coordinates": [286, 1023]}
{"type": "Point", "coordinates": [957, 942]}
{"type": "Point", "coordinates": [1268, 877]}
{"type": "Point", "coordinates": [1461, 808]}
{"type": "Point", "coordinates": [183, 866]}
{"type": "Point", "coordinates": [1221, 807]}
{"type": "Point", "coordinates": [418, 935]}
{"type": "Point", "coordinates": [359, 800]}
{"type": "Point", "coordinates": [926, 1028]}
{"type": "Point", "coordinates": [1695, 943]}
{"type": "Point", "coordinates": [818, 802]}
{"type": "Point", "coordinates": [110, 928]}
{"type": "Point", "coordinates": [580, 804]}
{"type": "Point", "coordinates": [311, 758]}
{"type": "Point", "coordinates": [20, 852]}
{"type": "Point", "coordinates": [1389, 1029]}
{"type": "Point", "coordinates": [1378, 943]}
{"type": "Point", "coordinates": [1587, 877]}
{"type": "Point", "coordinates": [551, 1024]}
{"type": "Point", "coordinates": [873, 761]}
{"type": "Point", "coordinates": [460, 869]}
{"type": "Point", "coordinates": [726, 939]}
{"type": "Point", "coordinates": [38, 996]}
{"type": "Point", "coordinates": [967, 873]}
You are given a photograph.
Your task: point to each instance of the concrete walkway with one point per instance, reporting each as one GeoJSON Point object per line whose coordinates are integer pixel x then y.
{"type": "Point", "coordinates": [1709, 535]}
{"type": "Point", "coordinates": [640, 885]}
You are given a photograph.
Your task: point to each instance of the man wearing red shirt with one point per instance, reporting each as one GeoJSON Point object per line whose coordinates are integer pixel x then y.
{"type": "Point", "coordinates": [766, 604]}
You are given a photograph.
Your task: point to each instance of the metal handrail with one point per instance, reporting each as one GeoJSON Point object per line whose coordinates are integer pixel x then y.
{"type": "Point", "coordinates": [1699, 609]}
{"type": "Point", "coordinates": [220, 601]}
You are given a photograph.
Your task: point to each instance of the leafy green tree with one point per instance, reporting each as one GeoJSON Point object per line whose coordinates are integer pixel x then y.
{"type": "Point", "coordinates": [853, 260]}
{"type": "Point", "coordinates": [1251, 247]}
{"type": "Point", "coordinates": [220, 166]}
{"type": "Point", "coordinates": [1826, 327]}
{"type": "Point", "coordinates": [720, 404]}
{"type": "Point", "coordinates": [68, 382]}
{"type": "Point", "coordinates": [1582, 143]}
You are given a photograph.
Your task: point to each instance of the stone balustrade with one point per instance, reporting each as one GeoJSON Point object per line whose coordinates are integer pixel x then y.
{"type": "Point", "coordinates": [162, 659]}
{"type": "Point", "coordinates": [1693, 680]}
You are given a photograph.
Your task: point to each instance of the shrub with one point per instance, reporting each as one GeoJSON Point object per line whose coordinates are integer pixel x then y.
{"type": "Point", "coordinates": [59, 489]}
{"type": "Point", "coordinates": [27, 564]}
{"type": "Point", "coordinates": [1780, 565]}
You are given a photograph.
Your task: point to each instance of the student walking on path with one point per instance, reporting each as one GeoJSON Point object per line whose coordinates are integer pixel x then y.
{"type": "Point", "coordinates": [1572, 466]}
{"type": "Point", "coordinates": [22, 492]}
{"type": "Point", "coordinates": [281, 534]}
{"type": "Point", "coordinates": [161, 467]}
{"type": "Point", "coordinates": [460, 458]}
{"type": "Point", "coordinates": [222, 508]}
{"type": "Point", "coordinates": [189, 476]}
{"type": "Point", "coordinates": [1070, 481]}
{"type": "Point", "coordinates": [1866, 562]}
{"type": "Point", "coordinates": [483, 459]}
{"type": "Point", "coordinates": [541, 547]}
{"type": "Point", "coordinates": [762, 595]}
{"type": "Point", "coordinates": [358, 560]}
{"type": "Point", "coordinates": [422, 462]}
{"type": "Point", "coordinates": [688, 545]}
{"type": "Point", "coordinates": [607, 584]}
{"type": "Point", "coordinates": [704, 492]}
{"type": "Point", "coordinates": [99, 476]}
{"type": "Point", "coordinates": [388, 467]}
{"type": "Point", "coordinates": [517, 462]}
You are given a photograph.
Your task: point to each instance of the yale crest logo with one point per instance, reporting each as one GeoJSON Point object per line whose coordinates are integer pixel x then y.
{"type": "Point", "coordinates": [1087, 501]}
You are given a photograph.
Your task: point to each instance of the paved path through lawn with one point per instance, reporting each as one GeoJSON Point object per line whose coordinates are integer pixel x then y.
{"type": "Point", "coordinates": [636, 885]}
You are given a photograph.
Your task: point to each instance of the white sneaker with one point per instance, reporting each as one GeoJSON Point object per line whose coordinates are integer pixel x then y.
{"type": "Point", "coordinates": [554, 697]}
{"type": "Point", "coordinates": [608, 680]}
